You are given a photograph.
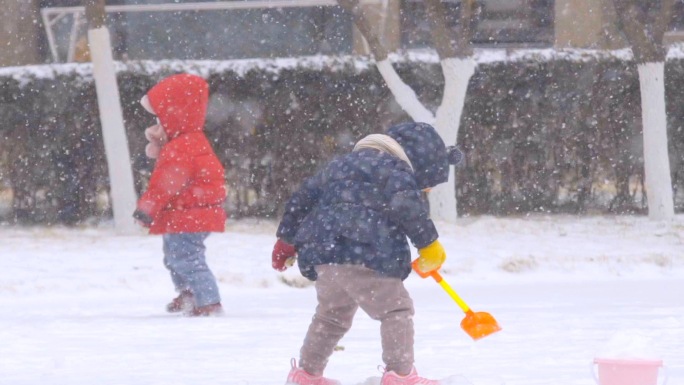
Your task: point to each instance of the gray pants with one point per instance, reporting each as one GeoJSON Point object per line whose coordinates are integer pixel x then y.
{"type": "Point", "coordinates": [184, 257]}
{"type": "Point", "coordinates": [341, 290]}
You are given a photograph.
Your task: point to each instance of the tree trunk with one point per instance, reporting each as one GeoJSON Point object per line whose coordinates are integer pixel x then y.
{"type": "Point", "coordinates": [644, 23]}
{"type": "Point", "coordinates": [656, 159]}
{"type": "Point", "coordinates": [457, 74]}
{"type": "Point", "coordinates": [404, 95]}
{"type": "Point", "coordinates": [121, 183]}
{"type": "Point", "coordinates": [457, 68]}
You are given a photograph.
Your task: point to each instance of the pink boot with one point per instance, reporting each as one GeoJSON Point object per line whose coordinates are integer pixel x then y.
{"type": "Point", "coordinates": [392, 378]}
{"type": "Point", "coordinates": [184, 302]}
{"type": "Point", "coordinates": [299, 376]}
{"type": "Point", "coordinates": [213, 310]}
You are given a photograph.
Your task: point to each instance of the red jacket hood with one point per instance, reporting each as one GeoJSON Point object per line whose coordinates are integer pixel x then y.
{"type": "Point", "coordinates": [180, 102]}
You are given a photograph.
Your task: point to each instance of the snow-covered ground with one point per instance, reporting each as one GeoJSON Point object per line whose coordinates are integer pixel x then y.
{"type": "Point", "coordinates": [83, 306]}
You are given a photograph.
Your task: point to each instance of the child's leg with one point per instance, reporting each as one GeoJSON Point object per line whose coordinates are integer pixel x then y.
{"type": "Point", "coordinates": [169, 259]}
{"type": "Point", "coordinates": [185, 258]}
{"type": "Point", "coordinates": [333, 318]}
{"type": "Point", "coordinates": [390, 304]}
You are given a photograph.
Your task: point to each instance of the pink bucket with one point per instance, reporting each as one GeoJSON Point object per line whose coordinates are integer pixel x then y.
{"type": "Point", "coordinates": [627, 371]}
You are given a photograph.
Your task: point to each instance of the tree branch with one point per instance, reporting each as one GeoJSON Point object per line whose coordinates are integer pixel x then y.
{"type": "Point", "coordinates": [438, 28]}
{"type": "Point", "coordinates": [613, 31]}
{"type": "Point", "coordinates": [404, 95]}
{"type": "Point", "coordinates": [644, 47]}
{"type": "Point", "coordinates": [466, 26]}
{"type": "Point", "coordinates": [662, 22]}
{"type": "Point", "coordinates": [363, 24]}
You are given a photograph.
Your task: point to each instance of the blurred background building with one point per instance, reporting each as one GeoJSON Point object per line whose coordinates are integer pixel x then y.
{"type": "Point", "coordinates": [292, 31]}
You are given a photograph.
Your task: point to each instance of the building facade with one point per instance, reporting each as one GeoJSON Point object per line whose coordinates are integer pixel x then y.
{"type": "Point", "coordinates": [19, 32]}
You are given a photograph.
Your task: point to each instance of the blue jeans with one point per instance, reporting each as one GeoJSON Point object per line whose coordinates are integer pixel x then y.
{"type": "Point", "coordinates": [184, 257]}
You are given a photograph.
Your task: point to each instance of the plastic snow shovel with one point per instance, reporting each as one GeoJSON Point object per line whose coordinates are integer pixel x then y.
{"type": "Point", "coordinates": [476, 324]}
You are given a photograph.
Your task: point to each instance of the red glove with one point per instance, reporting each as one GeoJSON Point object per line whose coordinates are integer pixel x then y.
{"type": "Point", "coordinates": [282, 252]}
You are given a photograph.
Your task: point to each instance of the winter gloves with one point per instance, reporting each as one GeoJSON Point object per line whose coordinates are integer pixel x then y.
{"type": "Point", "coordinates": [142, 217]}
{"type": "Point", "coordinates": [283, 255]}
{"type": "Point", "coordinates": [431, 258]}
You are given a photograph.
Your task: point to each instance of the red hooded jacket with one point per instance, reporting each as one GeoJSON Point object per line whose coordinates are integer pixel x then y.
{"type": "Point", "coordinates": [187, 187]}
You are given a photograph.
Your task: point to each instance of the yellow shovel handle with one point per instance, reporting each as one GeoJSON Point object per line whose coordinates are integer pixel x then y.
{"type": "Point", "coordinates": [460, 302]}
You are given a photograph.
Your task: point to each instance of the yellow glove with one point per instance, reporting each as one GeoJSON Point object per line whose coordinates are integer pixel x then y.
{"type": "Point", "coordinates": [431, 259]}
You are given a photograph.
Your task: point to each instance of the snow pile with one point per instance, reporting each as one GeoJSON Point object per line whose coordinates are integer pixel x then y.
{"type": "Point", "coordinates": [629, 345]}
{"type": "Point", "coordinates": [241, 67]}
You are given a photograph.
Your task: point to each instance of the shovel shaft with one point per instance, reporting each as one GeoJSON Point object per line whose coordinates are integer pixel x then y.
{"type": "Point", "coordinates": [460, 302]}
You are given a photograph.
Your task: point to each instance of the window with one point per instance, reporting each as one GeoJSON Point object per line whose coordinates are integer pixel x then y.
{"type": "Point", "coordinates": [234, 34]}
{"type": "Point", "coordinates": [498, 22]}
{"type": "Point", "coordinates": [212, 30]}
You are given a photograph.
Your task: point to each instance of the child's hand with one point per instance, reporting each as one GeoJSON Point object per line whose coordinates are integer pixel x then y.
{"type": "Point", "coordinates": [431, 259]}
{"type": "Point", "coordinates": [142, 218]}
{"type": "Point", "coordinates": [156, 137]}
{"type": "Point", "coordinates": [283, 255]}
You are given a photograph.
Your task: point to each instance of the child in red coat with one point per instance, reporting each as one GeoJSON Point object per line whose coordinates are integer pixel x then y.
{"type": "Point", "coordinates": [185, 195]}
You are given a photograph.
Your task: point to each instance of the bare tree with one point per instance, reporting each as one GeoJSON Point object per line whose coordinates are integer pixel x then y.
{"type": "Point", "coordinates": [458, 67]}
{"type": "Point", "coordinates": [644, 23]}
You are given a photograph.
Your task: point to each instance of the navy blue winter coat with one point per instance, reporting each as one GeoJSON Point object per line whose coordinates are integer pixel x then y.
{"type": "Point", "coordinates": [362, 206]}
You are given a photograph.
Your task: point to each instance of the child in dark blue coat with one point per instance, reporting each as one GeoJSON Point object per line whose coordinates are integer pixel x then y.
{"type": "Point", "coordinates": [348, 225]}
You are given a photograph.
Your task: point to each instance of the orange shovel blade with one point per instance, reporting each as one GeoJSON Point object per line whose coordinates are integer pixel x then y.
{"type": "Point", "coordinates": [479, 324]}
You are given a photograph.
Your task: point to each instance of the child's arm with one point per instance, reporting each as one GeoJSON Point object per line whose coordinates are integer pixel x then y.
{"type": "Point", "coordinates": [208, 185]}
{"type": "Point", "coordinates": [409, 210]}
{"type": "Point", "coordinates": [171, 175]}
{"type": "Point", "coordinates": [300, 204]}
